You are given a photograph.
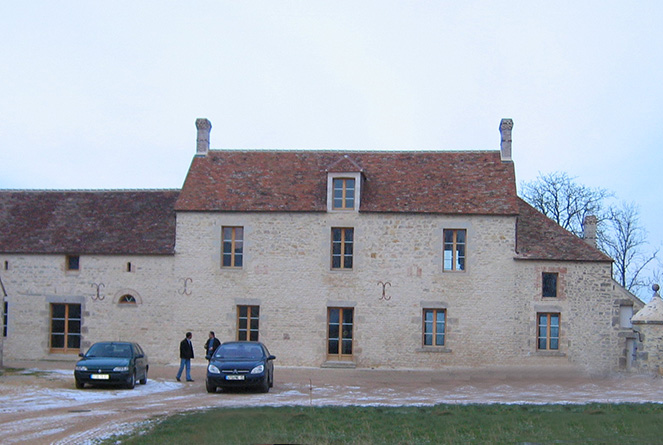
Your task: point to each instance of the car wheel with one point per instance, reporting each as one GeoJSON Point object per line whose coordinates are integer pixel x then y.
{"type": "Point", "coordinates": [210, 388]}
{"type": "Point", "coordinates": [271, 380]}
{"type": "Point", "coordinates": [79, 384]}
{"type": "Point", "coordinates": [143, 381]}
{"type": "Point", "coordinates": [132, 381]}
{"type": "Point", "coordinates": [264, 385]}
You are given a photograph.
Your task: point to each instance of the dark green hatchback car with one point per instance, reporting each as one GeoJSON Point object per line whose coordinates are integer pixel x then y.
{"type": "Point", "coordinates": [112, 363]}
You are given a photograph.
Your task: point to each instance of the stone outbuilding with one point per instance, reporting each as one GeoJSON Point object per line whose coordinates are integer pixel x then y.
{"type": "Point", "coordinates": [645, 351]}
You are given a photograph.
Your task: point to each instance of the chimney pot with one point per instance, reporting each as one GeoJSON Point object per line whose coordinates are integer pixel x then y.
{"type": "Point", "coordinates": [589, 230]}
{"type": "Point", "coordinates": [505, 146]}
{"type": "Point", "coordinates": [202, 143]}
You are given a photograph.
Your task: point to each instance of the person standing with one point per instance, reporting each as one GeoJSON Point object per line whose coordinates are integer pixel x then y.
{"type": "Point", "coordinates": [186, 354]}
{"type": "Point", "coordinates": [211, 344]}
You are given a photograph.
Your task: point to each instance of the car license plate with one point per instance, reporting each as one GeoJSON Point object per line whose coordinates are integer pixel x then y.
{"type": "Point", "coordinates": [100, 377]}
{"type": "Point", "coordinates": [234, 377]}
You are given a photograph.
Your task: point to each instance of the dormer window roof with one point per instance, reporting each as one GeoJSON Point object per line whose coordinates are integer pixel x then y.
{"type": "Point", "coordinates": [345, 164]}
{"type": "Point", "coordinates": [343, 185]}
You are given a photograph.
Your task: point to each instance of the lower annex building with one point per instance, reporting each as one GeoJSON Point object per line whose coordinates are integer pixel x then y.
{"type": "Point", "coordinates": [368, 259]}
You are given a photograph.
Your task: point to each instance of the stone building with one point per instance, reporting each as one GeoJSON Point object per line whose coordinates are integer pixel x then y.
{"type": "Point", "coordinates": [644, 351]}
{"type": "Point", "coordinates": [370, 259]}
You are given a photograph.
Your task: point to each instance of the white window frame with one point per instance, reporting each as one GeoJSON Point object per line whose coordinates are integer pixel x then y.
{"type": "Point", "coordinates": [330, 190]}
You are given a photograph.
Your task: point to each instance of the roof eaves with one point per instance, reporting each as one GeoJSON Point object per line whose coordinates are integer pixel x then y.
{"type": "Point", "coordinates": [519, 257]}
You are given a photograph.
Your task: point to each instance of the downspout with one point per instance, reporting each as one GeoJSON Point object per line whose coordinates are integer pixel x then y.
{"type": "Point", "coordinates": [2, 318]}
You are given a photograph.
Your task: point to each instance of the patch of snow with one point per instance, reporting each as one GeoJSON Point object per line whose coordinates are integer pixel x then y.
{"type": "Point", "coordinates": [29, 398]}
{"type": "Point", "coordinates": [33, 398]}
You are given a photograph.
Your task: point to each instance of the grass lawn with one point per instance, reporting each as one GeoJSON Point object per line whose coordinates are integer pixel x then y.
{"type": "Point", "coordinates": [593, 423]}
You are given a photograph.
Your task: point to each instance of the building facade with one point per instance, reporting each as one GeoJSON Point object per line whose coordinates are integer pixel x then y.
{"type": "Point", "coordinates": [342, 259]}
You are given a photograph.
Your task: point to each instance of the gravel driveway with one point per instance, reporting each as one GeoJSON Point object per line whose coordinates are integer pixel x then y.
{"type": "Point", "coordinates": [41, 405]}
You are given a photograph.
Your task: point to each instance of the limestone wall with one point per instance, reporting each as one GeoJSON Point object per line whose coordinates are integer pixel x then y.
{"type": "Point", "coordinates": [491, 317]}
{"type": "Point", "coordinates": [33, 282]}
{"type": "Point", "coordinates": [491, 307]}
{"type": "Point", "coordinates": [650, 348]}
{"type": "Point", "coordinates": [588, 302]}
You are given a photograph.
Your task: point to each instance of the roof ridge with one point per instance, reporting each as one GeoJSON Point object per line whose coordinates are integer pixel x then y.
{"type": "Point", "coordinates": [90, 190]}
{"type": "Point", "coordinates": [337, 150]}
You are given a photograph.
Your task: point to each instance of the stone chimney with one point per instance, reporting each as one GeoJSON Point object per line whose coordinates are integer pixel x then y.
{"type": "Point", "coordinates": [589, 230]}
{"type": "Point", "coordinates": [505, 146]}
{"type": "Point", "coordinates": [202, 143]}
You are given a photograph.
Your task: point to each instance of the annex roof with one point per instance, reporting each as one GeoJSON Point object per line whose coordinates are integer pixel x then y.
{"type": "Point", "coordinates": [540, 238]}
{"type": "Point", "coordinates": [87, 222]}
{"type": "Point", "coordinates": [448, 182]}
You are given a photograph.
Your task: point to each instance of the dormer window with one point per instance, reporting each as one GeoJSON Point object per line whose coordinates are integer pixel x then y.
{"type": "Point", "coordinates": [344, 194]}
{"type": "Point", "coordinates": [344, 182]}
{"type": "Point", "coordinates": [343, 191]}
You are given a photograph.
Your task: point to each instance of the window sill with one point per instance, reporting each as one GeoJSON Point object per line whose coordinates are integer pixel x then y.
{"type": "Point", "coordinates": [550, 354]}
{"type": "Point", "coordinates": [434, 349]}
{"type": "Point", "coordinates": [59, 355]}
{"type": "Point", "coordinates": [339, 364]}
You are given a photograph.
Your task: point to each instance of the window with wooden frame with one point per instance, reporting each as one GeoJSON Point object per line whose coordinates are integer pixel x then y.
{"type": "Point", "coordinates": [343, 194]}
{"type": "Point", "coordinates": [454, 249]}
{"type": "Point", "coordinates": [248, 323]}
{"type": "Point", "coordinates": [549, 284]}
{"type": "Point", "coordinates": [547, 331]}
{"type": "Point", "coordinates": [342, 248]}
{"type": "Point", "coordinates": [434, 321]}
{"type": "Point", "coordinates": [73, 262]}
{"type": "Point", "coordinates": [65, 327]}
{"type": "Point", "coordinates": [340, 325]}
{"type": "Point", "coordinates": [5, 318]}
{"type": "Point", "coordinates": [233, 247]}
{"type": "Point", "coordinates": [127, 299]}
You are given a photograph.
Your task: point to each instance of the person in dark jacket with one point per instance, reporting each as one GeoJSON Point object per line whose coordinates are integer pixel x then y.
{"type": "Point", "coordinates": [211, 344]}
{"type": "Point", "coordinates": [186, 354]}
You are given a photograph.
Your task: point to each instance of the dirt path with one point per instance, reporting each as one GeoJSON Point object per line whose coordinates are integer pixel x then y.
{"type": "Point", "coordinates": [41, 405]}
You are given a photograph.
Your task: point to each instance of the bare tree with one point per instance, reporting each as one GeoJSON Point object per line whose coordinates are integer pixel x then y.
{"type": "Point", "coordinates": [626, 241]}
{"type": "Point", "coordinates": [619, 233]}
{"type": "Point", "coordinates": [561, 199]}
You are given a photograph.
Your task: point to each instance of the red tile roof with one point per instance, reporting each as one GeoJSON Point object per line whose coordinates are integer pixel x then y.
{"type": "Point", "coordinates": [470, 182]}
{"type": "Point", "coordinates": [143, 222]}
{"type": "Point", "coordinates": [540, 238]}
{"type": "Point", "coordinates": [88, 222]}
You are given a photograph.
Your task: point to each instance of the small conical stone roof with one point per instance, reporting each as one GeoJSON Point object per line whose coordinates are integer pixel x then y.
{"type": "Point", "coordinates": [652, 312]}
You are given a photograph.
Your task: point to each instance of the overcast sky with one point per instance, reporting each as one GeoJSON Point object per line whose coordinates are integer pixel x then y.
{"type": "Point", "coordinates": [105, 94]}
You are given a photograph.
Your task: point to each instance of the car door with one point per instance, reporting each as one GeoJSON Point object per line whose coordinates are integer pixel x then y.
{"type": "Point", "coordinates": [141, 361]}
